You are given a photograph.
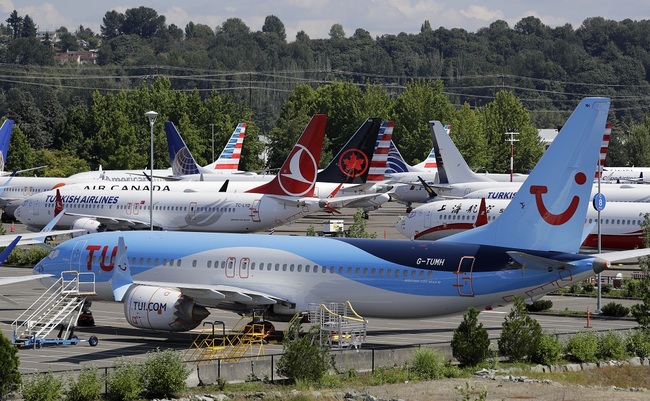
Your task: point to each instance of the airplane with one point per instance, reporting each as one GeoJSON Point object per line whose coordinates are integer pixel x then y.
{"type": "Point", "coordinates": [5, 138]}
{"type": "Point", "coordinates": [282, 200]}
{"type": "Point", "coordinates": [168, 280]}
{"type": "Point", "coordinates": [620, 221]}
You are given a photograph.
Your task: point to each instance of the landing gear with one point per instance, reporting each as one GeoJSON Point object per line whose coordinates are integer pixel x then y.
{"type": "Point", "coordinates": [86, 318]}
{"type": "Point", "coordinates": [365, 215]}
{"type": "Point", "coordinates": [409, 209]}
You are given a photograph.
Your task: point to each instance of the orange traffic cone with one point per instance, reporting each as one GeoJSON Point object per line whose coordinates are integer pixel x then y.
{"type": "Point", "coordinates": [13, 227]}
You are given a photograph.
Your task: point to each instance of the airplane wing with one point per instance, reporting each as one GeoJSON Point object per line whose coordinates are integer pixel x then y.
{"type": "Point", "coordinates": [14, 280]}
{"type": "Point", "coordinates": [33, 238]}
{"type": "Point", "coordinates": [115, 223]}
{"type": "Point", "coordinates": [217, 295]}
{"type": "Point", "coordinates": [345, 201]}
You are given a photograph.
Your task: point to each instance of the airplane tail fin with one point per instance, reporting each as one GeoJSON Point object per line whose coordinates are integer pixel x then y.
{"type": "Point", "coordinates": [380, 157]}
{"type": "Point", "coordinates": [603, 149]}
{"type": "Point", "coordinates": [452, 167]}
{"type": "Point", "coordinates": [5, 137]}
{"type": "Point", "coordinates": [297, 176]}
{"type": "Point", "coordinates": [548, 212]}
{"type": "Point", "coordinates": [182, 161]}
{"type": "Point", "coordinates": [395, 162]}
{"type": "Point", "coordinates": [352, 164]}
{"type": "Point", "coordinates": [229, 158]}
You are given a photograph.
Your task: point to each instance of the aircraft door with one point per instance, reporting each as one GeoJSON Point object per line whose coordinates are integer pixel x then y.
{"type": "Point", "coordinates": [255, 211]}
{"type": "Point", "coordinates": [230, 267]}
{"type": "Point", "coordinates": [129, 208]}
{"type": "Point", "coordinates": [35, 209]}
{"type": "Point", "coordinates": [464, 277]}
{"type": "Point", "coordinates": [244, 263]}
{"type": "Point", "coordinates": [136, 208]}
{"type": "Point", "coordinates": [427, 219]}
{"type": "Point", "coordinates": [75, 257]}
{"type": "Point", "coordinates": [191, 211]}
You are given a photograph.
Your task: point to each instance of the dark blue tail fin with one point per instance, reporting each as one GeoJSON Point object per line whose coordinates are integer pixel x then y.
{"type": "Point", "coordinates": [352, 164]}
{"type": "Point", "coordinates": [182, 161]}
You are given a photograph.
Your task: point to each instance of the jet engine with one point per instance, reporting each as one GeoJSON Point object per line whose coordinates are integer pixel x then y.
{"type": "Point", "coordinates": [88, 226]}
{"type": "Point", "coordinates": [161, 308]}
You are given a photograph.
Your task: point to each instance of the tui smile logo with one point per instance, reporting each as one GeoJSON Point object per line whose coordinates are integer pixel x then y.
{"type": "Point", "coordinates": [551, 218]}
{"type": "Point", "coordinates": [353, 163]}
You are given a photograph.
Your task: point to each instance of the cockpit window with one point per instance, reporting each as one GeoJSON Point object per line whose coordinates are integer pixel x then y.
{"type": "Point", "coordinates": [53, 254]}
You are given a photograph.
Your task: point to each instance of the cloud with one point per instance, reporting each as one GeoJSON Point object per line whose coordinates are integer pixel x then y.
{"type": "Point", "coordinates": [482, 13]}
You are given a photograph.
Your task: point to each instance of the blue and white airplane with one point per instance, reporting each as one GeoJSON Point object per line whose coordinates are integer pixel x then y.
{"type": "Point", "coordinates": [167, 280]}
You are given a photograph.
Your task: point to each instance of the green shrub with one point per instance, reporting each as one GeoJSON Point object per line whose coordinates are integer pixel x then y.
{"type": "Point", "coordinates": [164, 374]}
{"type": "Point", "coordinates": [582, 347]}
{"type": "Point", "coordinates": [539, 305]}
{"type": "Point", "coordinates": [638, 343]}
{"type": "Point", "coordinates": [520, 333]}
{"type": "Point", "coordinates": [43, 387]}
{"type": "Point", "coordinates": [548, 350]}
{"type": "Point", "coordinates": [606, 289]}
{"type": "Point", "coordinates": [588, 288]}
{"type": "Point", "coordinates": [303, 358]}
{"type": "Point", "coordinates": [125, 382]}
{"type": "Point", "coordinates": [9, 362]}
{"type": "Point", "coordinates": [470, 344]}
{"type": "Point", "coordinates": [428, 364]}
{"type": "Point", "coordinates": [615, 310]}
{"type": "Point", "coordinates": [27, 256]}
{"type": "Point", "coordinates": [611, 346]}
{"type": "Point", "coordinates": [86, 387]}
{"type": "Point", "coordinates": [632, 288]}
{"type": "Point", "coordinates": [575, 289]}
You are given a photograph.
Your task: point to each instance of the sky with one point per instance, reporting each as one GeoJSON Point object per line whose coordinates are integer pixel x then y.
{"type": "Point", "coordinates": [316, 17]}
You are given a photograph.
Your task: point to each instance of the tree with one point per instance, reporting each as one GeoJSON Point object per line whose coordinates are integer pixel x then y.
{"type": "Point", "coordinates": [143, 22]}
{"type": "Point", "coordinates": [10, 378]}
{"type": "Point", "coordinates": [304, 359]}
{"type": "Point", "coordinates": [358, 227]}
{"type": "Point", "coordinates": [337, 32]}
{"type": "Point", "coordinates": [470, 344]}
{"type": "Point", "coordinates": [273, 25]}
{"type": "Point", "coordinates": [28, 29]}
{"type": "Point", "coordinates": [520, 333]}
{"type": "Point", "coordinates": [15, 23]}
{"type": "Point", "coordinates": [641, 312]}
{"type": "Point", "coordinates": [112, 25]}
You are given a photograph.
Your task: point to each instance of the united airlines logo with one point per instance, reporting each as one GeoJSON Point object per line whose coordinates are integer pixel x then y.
{"type": "Point", "coordinates": [353, 163]}
{"type": "Point", "coordinates": [561, 218]}
{"type": "Point", "coordinates": [300, 177]}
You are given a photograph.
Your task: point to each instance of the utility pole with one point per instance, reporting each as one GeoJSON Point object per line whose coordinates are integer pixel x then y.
{"type": "Point", "coordinates": [212, 125]}
{"type": "Point", "coordinates": [512, 141]}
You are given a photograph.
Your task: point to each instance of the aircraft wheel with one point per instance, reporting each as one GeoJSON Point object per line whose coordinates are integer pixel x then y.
{"type": "Point", "coordinates": [409, 209]}
{"type": "Point", "coordinates": [93, 340]}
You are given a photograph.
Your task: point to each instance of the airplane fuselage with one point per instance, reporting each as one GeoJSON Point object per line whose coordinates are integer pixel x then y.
{"type": "Point", "coordinates": [381, 278]}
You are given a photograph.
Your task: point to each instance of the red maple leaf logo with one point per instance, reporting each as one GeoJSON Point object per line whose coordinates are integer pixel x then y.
{"type": "Point", "coordinates": [353, 163]}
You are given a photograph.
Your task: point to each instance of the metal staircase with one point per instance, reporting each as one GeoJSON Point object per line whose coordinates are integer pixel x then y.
{"type": "Point", "coordinates": [58, 308]}
{"type": "Point", "coordinates": [340, 325]}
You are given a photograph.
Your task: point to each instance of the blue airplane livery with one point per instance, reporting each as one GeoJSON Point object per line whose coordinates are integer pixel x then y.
{"type": "Point", "coordinates": [169, 280]}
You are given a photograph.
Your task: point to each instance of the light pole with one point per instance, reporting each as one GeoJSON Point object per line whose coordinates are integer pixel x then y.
{"type": "Point", "coordinates": [512, 141]}
{"type": "Point", "coordinates": [151, 115]}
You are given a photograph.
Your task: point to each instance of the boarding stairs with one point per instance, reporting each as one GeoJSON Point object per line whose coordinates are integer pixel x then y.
{"type": "Point", "coordinates": [58, 308]}
{"type": "Point", "coordinates": [245, 339]}
{"type": "Point", "coordinates": [340, 326]}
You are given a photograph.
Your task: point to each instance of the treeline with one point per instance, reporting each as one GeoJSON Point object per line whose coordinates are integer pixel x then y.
{"type": "Point", "coordinates": [263, 76]}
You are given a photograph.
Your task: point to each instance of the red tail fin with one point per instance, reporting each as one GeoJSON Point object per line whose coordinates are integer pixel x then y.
{"type": "Point", "coordinates": [297, 177]}
{"type": "Point", "coordinates": [58, 203]}
{"type": "Point", "coordinates": [481, 218]}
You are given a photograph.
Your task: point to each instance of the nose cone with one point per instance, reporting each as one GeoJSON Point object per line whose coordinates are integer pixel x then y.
{"type": "Point", "coordinates": [401, 225]}
{"type": "Point", "coordinates": [18, 212]}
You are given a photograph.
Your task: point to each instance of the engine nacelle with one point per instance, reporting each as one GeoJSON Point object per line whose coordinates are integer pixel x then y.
{"type": "Point", "coordinates": [161, 308]}
{"type": "Point", "coordinates": [88, 226]}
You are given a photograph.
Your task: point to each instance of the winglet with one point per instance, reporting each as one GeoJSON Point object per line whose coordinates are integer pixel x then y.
{"type": "Point", "coordinates": [481, 217]}
{"type": "Point", "coordinates": [297, 177]}
{"type": "Point", "coordinates": [351, 164]}
{"type": "Point", "coordinates": [5, 137]}
{"type": "Point", "coordinates": [121, 280]}
{"type": "Point", "coordinates": [432, 194]}
{"type": "Point", "coordinates": [58, 204]}
{"type": "Point", "coordinates": [7, 251]}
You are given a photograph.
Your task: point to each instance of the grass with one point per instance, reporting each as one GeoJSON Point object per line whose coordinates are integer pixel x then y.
{"type": "Point", "coordinates": [625, 376]}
